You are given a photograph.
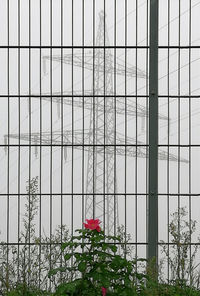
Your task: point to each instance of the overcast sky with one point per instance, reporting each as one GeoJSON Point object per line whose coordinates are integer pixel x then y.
{"type": "Point", "coordinates": [178, 69]}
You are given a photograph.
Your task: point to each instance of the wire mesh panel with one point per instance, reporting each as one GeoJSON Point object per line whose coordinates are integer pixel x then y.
{"type": "Point", "coordinates": [75, 122]}
{"type": "Point", "coordinates": [74, 146]}
{"type": "Point", "coordinates": [178, 100]}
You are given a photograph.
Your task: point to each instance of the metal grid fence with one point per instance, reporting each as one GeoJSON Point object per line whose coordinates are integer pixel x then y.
{"type": "Point", "coordinates": [82, 69]}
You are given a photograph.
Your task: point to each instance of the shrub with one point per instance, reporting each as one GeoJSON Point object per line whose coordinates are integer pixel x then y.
{"type": "Point", "coordinates": [96, 264]}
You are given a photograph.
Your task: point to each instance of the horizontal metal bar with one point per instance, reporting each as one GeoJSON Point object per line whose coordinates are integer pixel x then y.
{"type": "Point", "coordinates": [182, 244]}
{"type": "Point", "coordinates": [58, 244]}
{"type": "Point", "coordinates": [179, 145]}
{"type": "Point", "coordinates": [72, 194]}
{"type": "Point", "coordinates": [72, 96]}
{"type": "Point", "coordinates": [73, 47]}
{"type": "Point", "coordinates": [73, 145]}
{"type": "Point", "coordinates": [178, 47]}
{"type": "Point", "coordinates": [96, 145]}
{"type": "Point", "coordinates": [116, 243]}
{"type": "Point", "coordinates": [180, 96]}
{"type": "Point", "coordinates": [96, 47]}
{"type": "Point", "coordinates": [97, 96]}
{"type": "Point", "coordinates": [100, 194]}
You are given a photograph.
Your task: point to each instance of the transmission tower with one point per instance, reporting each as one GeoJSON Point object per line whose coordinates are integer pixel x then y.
{"type": "Point", "coordinates": [101, 199]}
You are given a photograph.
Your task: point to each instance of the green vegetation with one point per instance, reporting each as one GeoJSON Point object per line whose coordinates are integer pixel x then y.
{"type": "Point", "coordinates": [27, 265]}
{"type": "Point", "coordinates": [96, 264]}
{"type": "Point", "coordinates": [89, 261]}
{"type": "Point", "coordinates": [182, 259]}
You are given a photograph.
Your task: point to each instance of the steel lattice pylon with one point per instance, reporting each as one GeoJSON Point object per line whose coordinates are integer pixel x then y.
{"type": "Point", "coordinates": [101, 200]}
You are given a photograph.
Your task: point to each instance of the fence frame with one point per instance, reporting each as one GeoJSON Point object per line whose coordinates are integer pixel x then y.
{"type": "Point", "coordinates": [152, 229]}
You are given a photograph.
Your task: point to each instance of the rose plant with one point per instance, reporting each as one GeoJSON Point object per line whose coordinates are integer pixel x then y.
{"type": "Point", "coordinates": [96, 267]}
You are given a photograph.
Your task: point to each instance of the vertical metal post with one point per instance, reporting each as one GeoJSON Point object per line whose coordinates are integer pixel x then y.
{"type": "Point", "coordinates": [152, 248]}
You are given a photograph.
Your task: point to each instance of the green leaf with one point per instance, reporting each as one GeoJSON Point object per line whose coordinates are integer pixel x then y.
{"type": "Point", "coordinates": [77, 256]}
{"type": "Point", "coordinates": [139, 276]}
{"type": "Point", "coordinates": [113, 248]}
{"type": "Point", "coordinates": [97, 238]}
{"type": "Point", "coordinates": [67, 256]}
{"type": "Point", "coordinates": [52, 272]}
{"type": "Point", "coordinates": [64, 245]}
{"type": "Point", "coordinates": [129, 267]}
{"type": "Point", "coordinates": [105, 282]}
{"type": "Point", "coordinates": [127, 281]}
{"type": "Point", "coordinates": [96, 276]}
{"type": "Point", "coordinates": [71, 287]}
{"type": "Point", "coordinates": [82, 266]}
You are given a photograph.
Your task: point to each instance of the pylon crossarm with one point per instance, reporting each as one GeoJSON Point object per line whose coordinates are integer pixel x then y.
{"type": "Point", "coordinates": [105, 64]}
{"type": "Point", "coordinates": [131, 108]}
{"type": "Point", "coordinates": [130, 149]}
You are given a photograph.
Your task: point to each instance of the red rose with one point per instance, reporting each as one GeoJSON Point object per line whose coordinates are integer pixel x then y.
{"type": "Point", "coordinates": [103, 290]}
{"type": "Point", "coordinates": [92, 224]}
